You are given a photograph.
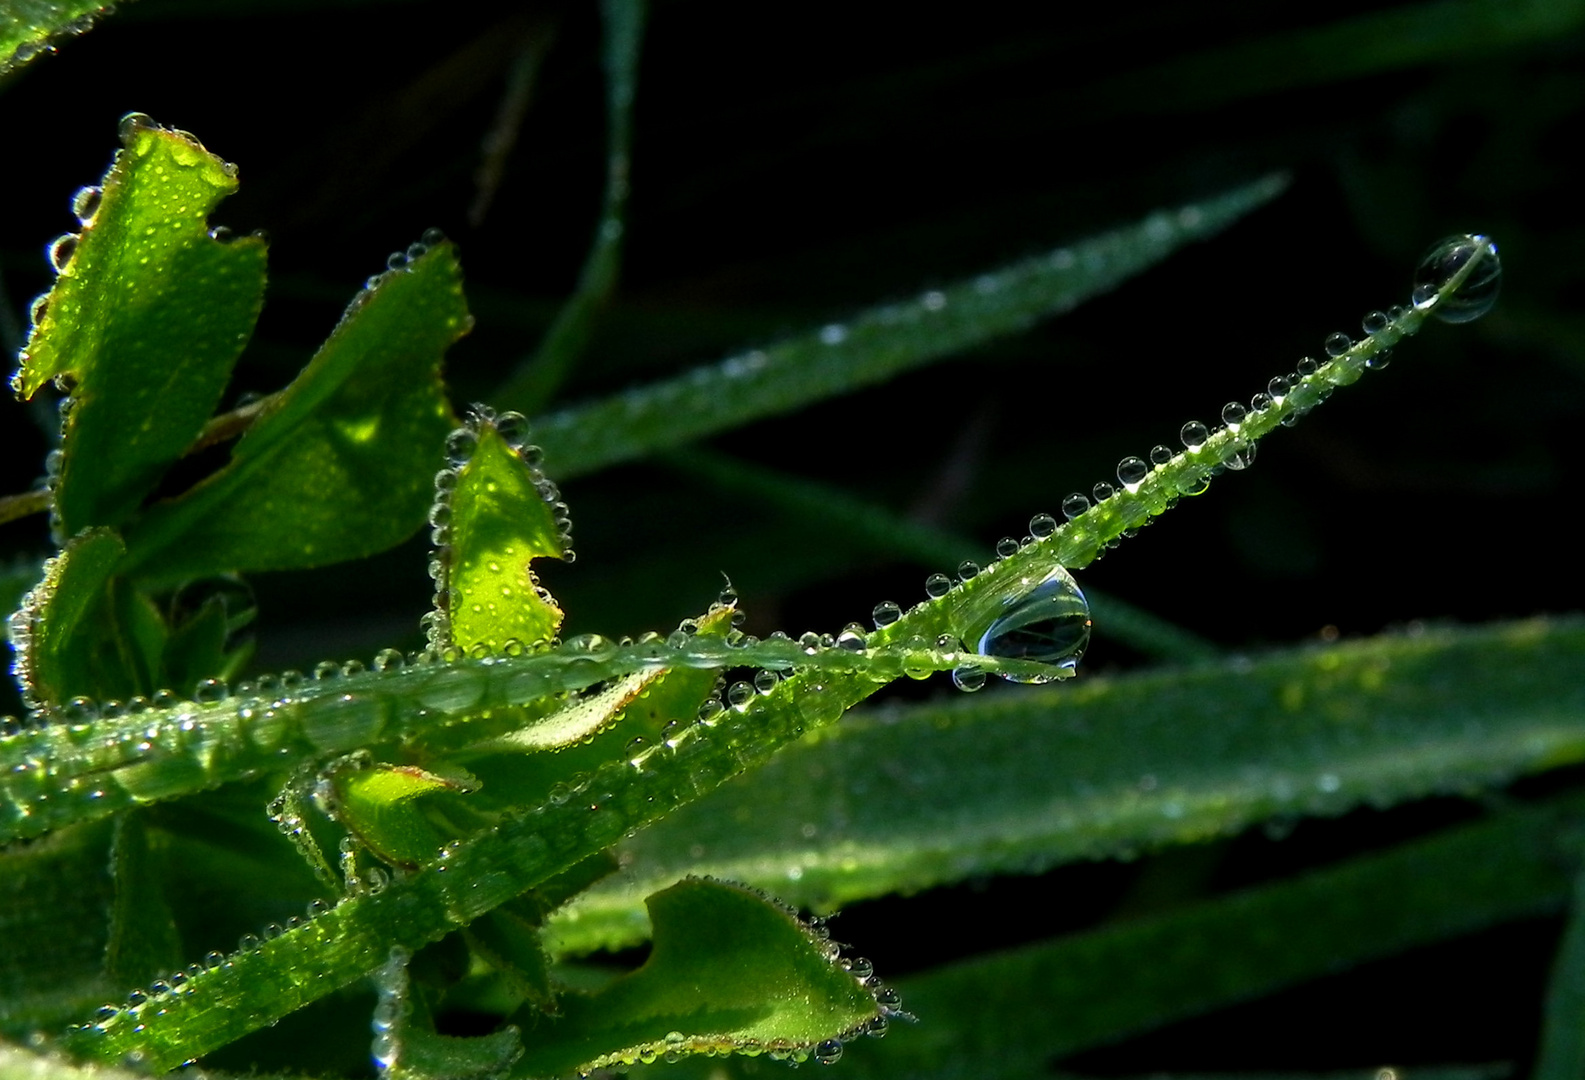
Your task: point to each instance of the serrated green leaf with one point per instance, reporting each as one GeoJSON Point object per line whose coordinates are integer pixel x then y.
{"type": "Point", "coordinates": [378, 805]}
{"type": "Point", "coordinates": [147, 317]}
{"type": "Point", "coordinates": [339, 467]}
{"type": "Point", "coordinates": [915, 797]}
{"type": "Point", "coordinates": [500, 523]}
{"type": "Point", "coordinates": [65, 618]}
{"type": "Point", "coordinates": [730, 970]}
{"type": "Point", "coordinates": [29, 28]}
{"type": "Point", "coordinates": [54, 896]}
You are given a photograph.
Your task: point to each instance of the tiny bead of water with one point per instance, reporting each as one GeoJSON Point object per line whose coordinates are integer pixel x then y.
{"type": "Point", "coordinates": [1042, 526]}
{"type": "Point", "coordinates": [1160, 455]}
{"type": "Point", "coordinates": [1132, 470]}
{"type": "Point", "coordinates": [937, 585]}
{"type": "Point", "coordinates": [1233, 413]}
{"type": "Point", "coordinates": [1338, 343]}
{"type": "Point", "coordinates": [1193, 435]}
{"type": "Point", "coordinates": [1006, 547]}
{"type": "Point", "coordinates": [1074, 505]}
{"type": "Point", "coordinates": [1102, 491]}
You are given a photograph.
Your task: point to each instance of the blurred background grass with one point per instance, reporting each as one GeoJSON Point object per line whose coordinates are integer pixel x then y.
{"type": "Point", "coordinates": [794, 163]}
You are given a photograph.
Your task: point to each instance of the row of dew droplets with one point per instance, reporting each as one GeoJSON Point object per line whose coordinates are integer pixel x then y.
{"type": "Point", "coordinates": [1047, 620]}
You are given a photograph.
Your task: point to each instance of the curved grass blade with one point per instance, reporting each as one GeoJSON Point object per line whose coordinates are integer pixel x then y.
{"type": "Point", "coordinates": [920, 796]}
{"type": "Point", "coordinates": [878, 343]}
{"type": "Point", "coordinates": [339, 466]}
{"type": "Point", "coordinates": [533, 386]}
{"type": "Point", "coordinates": [148, 315]}
{"type": "Point", "coordinates": [730, 971]}
{"type": "Point", "coordinates": [31, 28]}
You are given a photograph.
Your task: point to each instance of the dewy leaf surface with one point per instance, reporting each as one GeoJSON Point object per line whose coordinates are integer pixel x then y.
{"type": "Point", "coordinates": [340, 467]}
{"type": "Point", "coordinates": [908, 798]}
{"type": "Point", "coordinates": [146, 319]}
{"type": "Point", "coordinates": [729, 971]}
{"type": "Point", "coordinates": [500, 521]}
{"type": "Point", "coordinates": [52, 630]}
{"type": "Point", "coordinates": [28, 27]}
{"type": "Point", "coordinates": [879, 343]}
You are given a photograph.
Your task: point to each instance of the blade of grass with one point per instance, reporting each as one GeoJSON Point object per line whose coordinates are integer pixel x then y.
{"type": "Point", "coordinates": [876, 527]}
{"type": "Point", "coordinates": [535, 382]}
{"type": "Point", "coordinates": [1562, 1053]}
{"type": "Point", "coordinates": [875, 345]}
{"type": "Point", "coordinates": [908, 798]}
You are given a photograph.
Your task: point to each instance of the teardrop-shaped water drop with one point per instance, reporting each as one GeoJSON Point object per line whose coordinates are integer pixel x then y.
{"type": "Point", "coordinates": [969, 678]}
{"type": "Point", "coordinates": [1049, 624]}
{"type": "Point", "coordinates": [1479, 290]}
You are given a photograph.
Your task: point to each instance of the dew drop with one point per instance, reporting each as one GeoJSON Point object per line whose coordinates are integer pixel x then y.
{"type": "Point", "coordinates": [1233, 413]}
{"type": "Point", "coordinates": [886, 612]}
{"type": "Point", "coordinates": [1049, 624]}
{"type": "Point", "coordinates": [1160, 455]}
{"type": "Point", "coordinates": [1338, 343]}
{"type": "Point", "coordinates": [132, 123]}
{"type": "Point", "coordinates": [1374, 322]}
{"type": "Point", "coordinates": [888, 998]}
{"type": "Point", "coordinates": [432, 237]}
{"type": "Point", "coordinates": [388, 660]}
{"type": "Point", "coordinates": [1307, 367]}
{"type": "Point", "coordinates": [1102, 491]}
{"type": "Point", "coordinates": [1132, 470]}
{"type": "Point", "coordinates": [1476, 295]}
{"type": "Point", "coordinates": [829, 1052]}
{"type": "Point", "coordinates": [741, 693]}
{"type": "Point", "coordinates": [60, 251]}
{"type": "Point", "coordinates": [85, 204]}
{"type": "Point", "coordinates": [1194, 435]}
{"type": "Point", "coordinates": [968, 678]}
{"type": "Point", "coordinates": [1074, 505]}
{"type": "Point", "coordinates": [210, 691]}
{"type": "Point", "coordinates": [938, 585]}
{"type": "Point", "coordinates": [967, 569]}
{"type": "Point", "coordinates": [1042, 526]}
{"type": "Point", "coordinates": [1006, 547]}
{"type": "Point", "coordinates": [460, 445]}
{"type": "Point", "coordinates": [513, 428]}
{"type": "Point", "coordinates": [852, 638]}
{"type": "Point", "coordinates": [1279, 387]}
{"type": "Point", "coordinates": [1260, 402]}
{"type": "Point", "coordinates": [765, 681]}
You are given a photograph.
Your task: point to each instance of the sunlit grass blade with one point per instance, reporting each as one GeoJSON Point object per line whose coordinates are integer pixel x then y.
{"type": "Point", "coordinates": [890, 533]}
{"type": "Point", "coordinates": [912, 797]}
{"type": "Point", "coordinates": [31, 28]}
{"type": "Point", "coordinates": [876, 344]}
{"type": "Point", "coordinates": [533, 386]}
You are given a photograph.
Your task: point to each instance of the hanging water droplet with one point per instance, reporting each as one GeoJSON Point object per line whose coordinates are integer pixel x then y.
{"type": "Point", "coordinates": [969, 678]}
{"type": "Point", "coordinates": [1193, 434]}
{"type": "Point", "coordinates": [1241, 456]}
{"type": "Point", "coordinates": [1049, 624]}
{"type": "Point", "coordinates": [1445, 259]}
{"type": "Point", "coordinates": [1102, 491]}
{"type": "Point", "coordinates": [829, 1052]}
{"type": "Point", "coordinates": [513, 428]}
{"type": "Point", "coordinates": [1074, 505]}
{"type": "Point", "coordinates": [937, 585]}
{"type": "Point", "coordinates": [85, 203]}
{"type": "Point", "coordinates": [1132, 470]}
{"type": "Point", "coordinates": [460, 445]}
{"type": "Point", "coordinates": [1338, 343]}
{"type": "Point", "coordinates": [60, 251]}
{"type": "Point", "coordinates": [886, 613]}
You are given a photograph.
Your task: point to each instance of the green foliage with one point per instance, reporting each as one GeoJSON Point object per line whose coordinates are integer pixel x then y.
{"type": "Point", "coordinates": [463, 823]}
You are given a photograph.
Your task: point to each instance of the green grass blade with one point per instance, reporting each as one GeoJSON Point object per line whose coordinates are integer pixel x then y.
{"type": "Point", "coordinates": [148, 315]}
{"type": "Point", "coordinates": [877, 344]}
{"type": "Point", "coordinates": [879, 528]}
{"type": "Point", "coordinates": [340, 466]}
{"type": "Point", "coordinates": [1562, 1054]}
{"type": "Point", "coordinates": [31, 28]}
{"type": "Point", "coordinates": [918, 796]}
{"type": "Point", "coordinates": [533, 386]}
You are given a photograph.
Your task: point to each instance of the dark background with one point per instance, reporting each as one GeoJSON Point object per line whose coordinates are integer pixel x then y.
{"type": "Point", "coordinates": [794, 163]}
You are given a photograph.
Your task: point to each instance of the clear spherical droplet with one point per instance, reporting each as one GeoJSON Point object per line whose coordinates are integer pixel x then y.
{"type": "Point", "coordinates": [969, 678]}
{"type": "Point", "coordinates": [60, 251]}
{"type": "Point", "coordinates": [1049, 624]}
{"type": "Point", "coordinates": [937, 585]}
{"type": "Point", "coordinates": [886, 612]}
{"type": "Point", "coordinates": [513, 428]}
{"type": "Point", "coordinates": [1160, 455]}
{"type": "Point", "coordinates": [1131, 470]}
{"type": "Point", "coordinates": [1279, 387]}
{"type": "Point", "coordinates": [1307, 366]}
{"type": "Point", "coordinates": [1102, 491]}
{"type": "Point", "coordinates": [829, 1052]}
{"type": "Point", "coordinates": [85, 203]}
{"type": "Point", "coordinates": [1338, 343]}
{"type": "Point", "coordinates": [1074, 505]}
{"type": "Point", "coordinates": [1479, 290]}
{"type": "Point", "coordinates": [460, 445]}
{"type": "Point", "coordinates": [1006, 547]}
{"type": "Point", "coordinates": [1374, 322]}
{"type": "Point", "coordinates": [1233, 413]}
{"type": "Point", "coordinates": [132, 123]}
{"type": "Point", "coordinates": [1193, 434]}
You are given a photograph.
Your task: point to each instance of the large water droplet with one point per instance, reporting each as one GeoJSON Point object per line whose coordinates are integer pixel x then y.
{"type": "Point", "coordinates": [1477, 294]}
{"type": "Point", "coordinates": [60, 251]}
{"type": "Point", "coordinates": [1049, 624]}
{"type": "Point", "coordinates": [1132, 470]}
{"type": "Point", "coordinates": [886, 612]}
{"type": "Point", "coordinates": [85, 203]}
{"type": "Point", "coordinates": [1194, 435]}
